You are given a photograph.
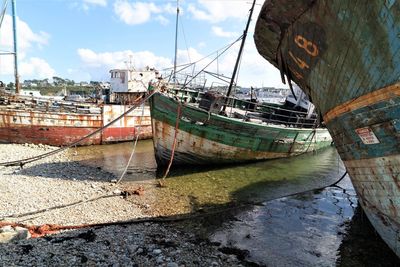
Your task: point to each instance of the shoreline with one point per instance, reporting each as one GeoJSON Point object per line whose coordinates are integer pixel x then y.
{"type": "Point", "coordinates": [58, 181]}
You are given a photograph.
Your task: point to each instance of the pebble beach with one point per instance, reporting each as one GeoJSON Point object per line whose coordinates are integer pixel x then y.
{"type": "Point", "coordinates": [58, 190]}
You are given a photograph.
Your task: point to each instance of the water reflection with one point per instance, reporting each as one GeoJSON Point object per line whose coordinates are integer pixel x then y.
{"type": "Point", "coordinates": [114, 158]}
{"type": "Point", "coordinates": [306, 229]}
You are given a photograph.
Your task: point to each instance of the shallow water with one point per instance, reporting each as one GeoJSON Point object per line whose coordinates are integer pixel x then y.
{"type": "Point", "coordinates": [314, 228]}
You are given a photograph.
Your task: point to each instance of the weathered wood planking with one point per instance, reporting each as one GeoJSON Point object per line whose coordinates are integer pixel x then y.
{"type": "Point", "coordinates": [207, 138]}
{"type": "Point", "coordinates": [346, 56]}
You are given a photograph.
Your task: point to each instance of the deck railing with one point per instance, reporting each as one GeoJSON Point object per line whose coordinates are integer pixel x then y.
{"type": "Point", "coordinates": [248, 110]}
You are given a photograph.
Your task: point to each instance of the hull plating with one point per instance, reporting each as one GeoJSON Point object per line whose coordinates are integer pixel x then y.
{"type": "Point", "coordinates": [346, 56]}
{"type": "Point", "coordinates": [60, 129]}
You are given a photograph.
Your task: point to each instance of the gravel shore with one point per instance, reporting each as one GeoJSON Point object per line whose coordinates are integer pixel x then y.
{"type": "Point", "coordinates": [57, 190]}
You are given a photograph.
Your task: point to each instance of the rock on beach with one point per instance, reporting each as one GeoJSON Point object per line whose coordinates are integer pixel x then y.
{"type": "Point", "coordinates": [59, 190]}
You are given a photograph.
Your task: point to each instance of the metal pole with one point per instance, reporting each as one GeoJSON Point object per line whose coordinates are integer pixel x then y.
{"type": "Point", "coordinates": [14, 12]}
{"type": "Point", "coordinates": [176, 39]}
{"type": "Point", "coordinates": [240, 51]}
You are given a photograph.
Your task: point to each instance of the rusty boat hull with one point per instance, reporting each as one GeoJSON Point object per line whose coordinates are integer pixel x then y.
{"type": "Point", "coordinates": [208, 138]}
{"type": "Point", "coordinates": [61, 128]}
{"type": "Point", "coordinates": [346, 56]}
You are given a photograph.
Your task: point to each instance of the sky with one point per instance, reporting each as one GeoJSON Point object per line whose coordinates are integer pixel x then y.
{"type": "Point", "coordinates": [82, 40]}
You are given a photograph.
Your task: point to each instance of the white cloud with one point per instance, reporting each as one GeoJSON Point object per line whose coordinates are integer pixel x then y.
{"type": "Point", "coordinates": [96, 2]}
{"type": "Point", "coordinates": [187, 56]}
{"type": "Point", "coordinates": [201, 44]}
{"type": "Point", "coordinates": [6, 66]}
{"type": "Point", "coordinates": [36, 67]}
{"type": "Point", "coordinates": [135, 13]}
{"type": "Point", "coordinates": [218, 31]}
{"type": "Point", "coordinates": [29, 67]}
{"type": "Point", "coordinates": [26, 37]}
{"type": "Point", "coordinates": [171, 9]}
{"type": "Point", "coordinates": [141, 12]}
{"type": "Point", "coordinates": [217, 11]}
{"type": "Point", "coordinates": [163, 20]}
{"type": "Point", "coordinates": [254, 70]}
{"type": "Point", "coordinates": [99, 64]}
{"type": "Point", "coordinates": [88, 3]}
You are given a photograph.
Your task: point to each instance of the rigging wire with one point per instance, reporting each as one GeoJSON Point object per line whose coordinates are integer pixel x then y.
{"type": "Point", "coordinates": [184, 38]}
{"type": "Point", "coordinates": [226, 49]}
{"type": "Point", "coordinates": [216, 75]}
{"type": "Point", "coordinates": [187, 65]}
{"type": "Point", "coordinates": [3, 12]}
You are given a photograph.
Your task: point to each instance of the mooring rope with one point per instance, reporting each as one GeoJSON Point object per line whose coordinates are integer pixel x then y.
{"type": "Point", "coordinates": [44, 155]}
{"type": "Point", "coordinates": [134, 147]}
{"type": "Point", "coordinates": [41, 230]}
{"type": "Point", "coordinates": [178, 117]}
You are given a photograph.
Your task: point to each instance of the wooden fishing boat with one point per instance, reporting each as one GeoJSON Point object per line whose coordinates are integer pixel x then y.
{"type": "Point", "coordinates": [196, 133]}
{"type": "Point", "coordinates": [62, 123]}
{"type": "Point", "coordinates": [53, 121]}
{"type": "Point", "coordinates": [198, 126]}
{"type": "Point", "coordinates": [346, 56]}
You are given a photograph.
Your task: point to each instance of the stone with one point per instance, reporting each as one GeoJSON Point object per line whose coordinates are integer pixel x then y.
{"type": "Point", "coordinates": [6, 228]}
{"type": "Point", "coordinates": [157, 251]}
{"type": "Point", "coordinates": [6, 237]}
{"type": "Point", "coordinates": [9, 234]}
{"type": "Point", "coordinates": [117, 192]}
{"type": "Point", "coordinates": [160, 259]}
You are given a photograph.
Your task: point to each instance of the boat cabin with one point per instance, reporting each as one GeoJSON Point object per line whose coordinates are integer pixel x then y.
{"type": "Point", "coordinates": [131, 81]}
{"type": "Point", "coordinates": [128, 85]}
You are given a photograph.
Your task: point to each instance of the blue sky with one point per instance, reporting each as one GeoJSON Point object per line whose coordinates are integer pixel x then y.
{"type": "Point", "coordinates": [83, 39]}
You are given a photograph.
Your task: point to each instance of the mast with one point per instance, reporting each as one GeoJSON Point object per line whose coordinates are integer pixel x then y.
{"type": "Point", "coordinates": [176, 39]}
{"type": "Point", "coordinates": [240, 52]}
{"type": "Point", "coordinates": [14, 18]}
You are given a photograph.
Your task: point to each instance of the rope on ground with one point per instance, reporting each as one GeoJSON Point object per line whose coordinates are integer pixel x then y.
{"type": "Point", "coordinates": [22, 162]}
{"type": "Point", "coordinates": [45, 229]}
{"type": "Point", "coordinates": [21, 215]}
{"type": "Point", "coordinates": [41, 230]}
{"type": "Point", "coordinates": [178, 117]}
{"type": "Point", "coordinates": [134, 147]}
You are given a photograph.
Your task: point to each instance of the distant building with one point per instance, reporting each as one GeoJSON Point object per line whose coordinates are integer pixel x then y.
{"type": "Point", "coordinates": [34, 93]}
{"type": "Point", "coordinates": [127, 81]}
{"type": "Point", "coordinates": [29, 84]}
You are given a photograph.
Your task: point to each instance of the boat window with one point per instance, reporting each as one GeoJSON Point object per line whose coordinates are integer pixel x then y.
{"type": "Point", "coordinates": [122, 77]}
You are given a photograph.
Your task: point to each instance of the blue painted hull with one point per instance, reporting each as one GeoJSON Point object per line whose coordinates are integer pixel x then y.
{"type": "Point", "coordinates": [346, 56]}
